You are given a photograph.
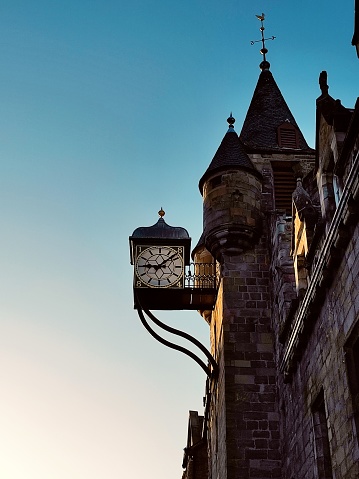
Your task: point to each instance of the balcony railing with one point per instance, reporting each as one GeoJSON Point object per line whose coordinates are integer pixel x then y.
{"type": "Point", "coordinates": [202, 275]}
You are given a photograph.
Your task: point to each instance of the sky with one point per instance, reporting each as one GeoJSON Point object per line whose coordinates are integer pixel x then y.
{"type": "Point", "coordinates": [110, 110]}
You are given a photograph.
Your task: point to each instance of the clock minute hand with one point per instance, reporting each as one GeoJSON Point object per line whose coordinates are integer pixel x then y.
{"type": "Point", "coordinates": [168, 259]}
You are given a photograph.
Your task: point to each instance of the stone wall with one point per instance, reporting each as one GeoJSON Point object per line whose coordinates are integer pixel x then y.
{"type": "Point", "coordinates": [244, 426]}
{"type": "Point", "coordinates": [323, 370]}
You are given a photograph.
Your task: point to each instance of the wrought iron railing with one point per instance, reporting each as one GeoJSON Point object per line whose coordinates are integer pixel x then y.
{"type": "Point", "coordinates": [202, 275]}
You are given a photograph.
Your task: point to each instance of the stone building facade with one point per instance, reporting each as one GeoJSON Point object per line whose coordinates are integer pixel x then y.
{"type": "Point", "coordinates": [281, 220]}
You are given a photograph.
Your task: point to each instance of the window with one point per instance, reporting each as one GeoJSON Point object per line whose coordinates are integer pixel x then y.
{"type": "Point", "coordinates": [352, 362]}
{"type": "Point", "coordinates": [284, 184]}
{"type": "Point", "coordinates": [322, 449]}
{"type": "Point", "coordinates": [301, 273]}
{"type": "Point", "coordinates": [337, 189]}
{"type": "Point", "coordinates": [216, 181]}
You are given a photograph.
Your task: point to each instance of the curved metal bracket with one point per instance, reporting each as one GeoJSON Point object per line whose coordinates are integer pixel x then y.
{"type": "Point", "coordinates": [184, 335]}
{"type": "Point", "coordinates": [210, 372]}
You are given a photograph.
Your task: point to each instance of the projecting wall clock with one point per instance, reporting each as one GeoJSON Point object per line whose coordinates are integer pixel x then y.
{"type": "Point", "coordinates": [160, 255]}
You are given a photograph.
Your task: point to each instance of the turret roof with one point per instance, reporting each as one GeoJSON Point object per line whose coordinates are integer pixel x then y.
{"type": "Point", "coordinates": [267, 112]}
{"type": "Point", "coordinates": [230, 154]}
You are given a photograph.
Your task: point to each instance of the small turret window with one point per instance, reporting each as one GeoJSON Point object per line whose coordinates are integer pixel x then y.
{"type": "Point", "coordinates": [287, 136]}
{"type": "Point", "coordinates": [216, 181]}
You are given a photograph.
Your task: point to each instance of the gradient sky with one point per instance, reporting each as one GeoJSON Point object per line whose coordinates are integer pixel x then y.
{"type": "Point", "coordinates": [110, 110]}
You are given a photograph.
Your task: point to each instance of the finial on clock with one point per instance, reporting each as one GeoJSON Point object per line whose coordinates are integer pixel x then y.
{"type": "Point", "coordinates": [161, 213]}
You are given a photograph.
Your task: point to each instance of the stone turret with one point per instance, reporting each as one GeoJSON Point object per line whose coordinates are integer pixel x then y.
{"type": "Point", "coordinates": [242, 404]}
{"type": "Point", "coordinates": [231, 189]}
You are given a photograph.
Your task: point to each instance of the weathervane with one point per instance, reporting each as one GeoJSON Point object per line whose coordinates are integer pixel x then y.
{"type": "Point", "coordinates": [263, 50]}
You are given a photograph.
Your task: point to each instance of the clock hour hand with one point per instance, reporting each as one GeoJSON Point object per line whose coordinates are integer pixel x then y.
{"type": "Point", "coordinates": [149, 266]}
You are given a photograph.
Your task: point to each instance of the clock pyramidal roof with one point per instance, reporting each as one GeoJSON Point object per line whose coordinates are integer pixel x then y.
{"type": "Point", "coordinates": [160, 230]}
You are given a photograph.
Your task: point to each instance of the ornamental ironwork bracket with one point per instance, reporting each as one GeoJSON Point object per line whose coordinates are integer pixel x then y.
{"type": "Point", "coordinates": [212, 372]}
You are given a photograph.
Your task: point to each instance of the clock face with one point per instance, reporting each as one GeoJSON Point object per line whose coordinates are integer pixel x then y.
{"type": "Point", "coordinates": [159, 266]}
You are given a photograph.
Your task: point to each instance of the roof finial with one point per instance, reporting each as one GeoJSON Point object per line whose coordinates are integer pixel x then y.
{"type": "Point", "coordinates": [264, 64]}
{"type": "Point", "coordinates": [231, 121]}
{"type": "Point", "coordinates": [161, 213]}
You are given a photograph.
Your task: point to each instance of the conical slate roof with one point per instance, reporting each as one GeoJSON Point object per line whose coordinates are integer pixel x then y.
{"type": "Point", "coordinates": [267, 111]}
{"type": "Point", "coordinates": [230, 154]}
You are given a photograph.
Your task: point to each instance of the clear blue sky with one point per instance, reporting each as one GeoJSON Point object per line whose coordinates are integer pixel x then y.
{"type": "Point", "coordinates": [108, 111]}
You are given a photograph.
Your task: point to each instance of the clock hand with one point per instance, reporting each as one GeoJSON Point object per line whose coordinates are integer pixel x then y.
{"type": "Point", "coordinates": [154, 266]}
{"type": "Point", "coordinates": [159, 266]}
{"type": "Point", "coordinates": [168, 259]}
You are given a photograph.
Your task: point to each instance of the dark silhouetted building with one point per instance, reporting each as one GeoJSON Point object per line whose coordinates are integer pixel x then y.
{"type": "Point", "coordinates": [281, 220]}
